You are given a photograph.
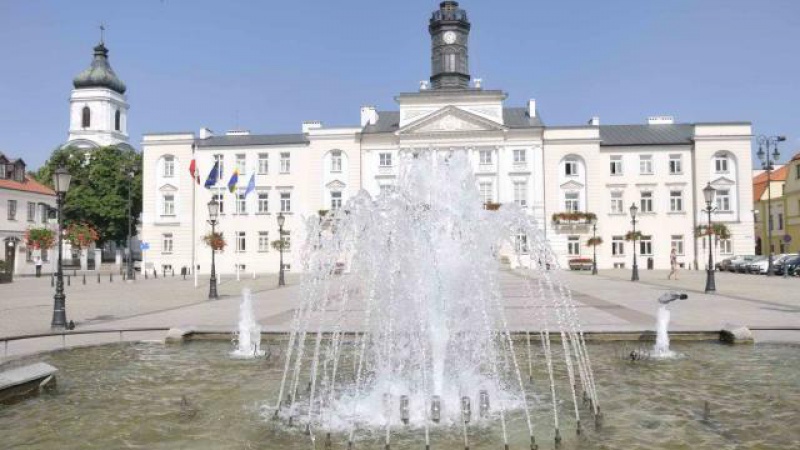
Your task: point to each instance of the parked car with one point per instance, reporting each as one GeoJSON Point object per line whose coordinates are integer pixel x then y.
{"type": "Point", "coordinates": [790, 263]}
{"type": "Point", "coordinates": [759, 265]}
{"type": "Point", "coordinates": [740, 263]}
{"type": "Point", "coordinates": [725, 264]}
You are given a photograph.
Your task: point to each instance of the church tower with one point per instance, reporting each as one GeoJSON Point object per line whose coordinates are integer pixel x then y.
{"type": "Point", "coordinates": [449, 29]}
{"type": "Point", "coordinates": [98, 106]}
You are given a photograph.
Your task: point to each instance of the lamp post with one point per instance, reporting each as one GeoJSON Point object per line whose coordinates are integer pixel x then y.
{"type": "Point", "coordinates": [213, 215]}
{"type": "Point", "coordinates": [635, 273]}
{"type": "Point", "coordinates": [708, 195]}
{"type": "Point", "coordinates": [61, 180]}
{"type": "Point", "coordinates": [131, 275]}
{"type": "Point", "coordinates": [765, 143]}
{"type": "Point", "coordinates": [594, 247]}
{"type": "Point", "coordinates": [281, 221]}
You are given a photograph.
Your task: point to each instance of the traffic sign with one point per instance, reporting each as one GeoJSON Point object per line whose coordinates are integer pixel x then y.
{"type": "Point", "coordinates": [144, 246]}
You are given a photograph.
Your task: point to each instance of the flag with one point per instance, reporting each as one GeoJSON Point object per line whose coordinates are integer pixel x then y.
{"type": "Point", "coordinates": [251, 186]}
{"type": "Point", "coordinates": [193, 170]}
{"type": "Point", "coordinates": [213, 176]}
{"type": "Point", "coordinates": [234, 180]}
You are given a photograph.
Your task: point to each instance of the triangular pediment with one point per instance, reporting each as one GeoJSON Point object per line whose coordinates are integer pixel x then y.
{"type": "Point", "coordinates": [572, 185]}
{"type": "Point", "coordinates": [335, 185]}
{"type": "Point", "coordinates": [168, 188]}
{"type": "Point", "coordinates": [723, 181]}
{"type": "Point", "coordinates": [450, 119]}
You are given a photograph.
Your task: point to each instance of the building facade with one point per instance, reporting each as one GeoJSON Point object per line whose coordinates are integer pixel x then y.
{"type": "Point", "coordinates": [552, 172]}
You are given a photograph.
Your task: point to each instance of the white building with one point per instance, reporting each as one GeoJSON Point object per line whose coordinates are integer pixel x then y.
{"type": "Point", "coordinates": [661, 166]}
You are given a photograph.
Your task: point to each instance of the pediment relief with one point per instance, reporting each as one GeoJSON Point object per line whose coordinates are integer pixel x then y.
{"type": "Point", "coordinates": [168, 188]}
{"type": "Point", "coordinates": [572, 185]}
{"type": "Point", "coordinates": [450, 119]}
{"type": "Point", "coordinates": [335, 184]}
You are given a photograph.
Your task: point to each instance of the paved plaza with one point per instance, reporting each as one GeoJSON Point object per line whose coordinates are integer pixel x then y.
{"type": "Point", "coordinates": [607, 302]}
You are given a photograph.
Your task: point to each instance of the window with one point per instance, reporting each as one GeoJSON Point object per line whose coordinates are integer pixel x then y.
{"type": "Point", "coordinates": [676, 201]}
{"type": "Point", "coordinates": [521, 194]}
{"type": "Point", "coordinates": [485, 157]}
{"type": "Point", "coordinates": [386, 189]}
{"type": "Point", "coordinates": [286, 162]}
{"type": "Point", "coordinates": [616, 203]}
{"type": "Point", "coordinates": [645, 164]}
{"type": "Point", "coordinates": [677, 244]}
{"type": "Point", "coordinates": [336, 161]}
{"type": "Point", "coordinates": [241, 203]}
{"type": "Point", "coordinates": [286, 201]}
{"type": "Point", "coordinates": [287, 239]}
{"type": "Point", "coordinates": [219, 160]}
{"type": "Point", "coordinates": [241, 163]}
{"type": "Point", "coordinates": [725, 247]}
{"type": "Point", "coordinates": [521, 243]}
{"type": "Point", "coordinates": [574, 246]}
{"type": "Point", "coordinates": [571, 202]}
{"type": "Point", "coordinates": [263, 202]}
{"type": "Point", "coordinates": [166, 243]}
{"type": "Point", "coordinates": [723, 200]}
{"type": "Point", "coordinates": [486, 191]}
{"type": "Point", "coordinates": [263, 163]}
{"type": "Point", "coordinates": [646, 246]}
{"type": "Point", "coordinates": [780, 221]}
{"type": "Point", "coordinates": [3, 174]}
{"type": "Point", "coordinates": [646, 202]}
{"type": "Point", "coordinates": [520, 156]}
{"type": "Point", "coordinates": [675, 165]}
{"type": "Point", "coordinates": [44, 210]}
{"type": "Point", "coordinates": [86, 117]}
{"type": "Point", "coordinates": [385, 159]}
{"type": "Point", "coordinates": [219, 197]}
{"type": "Point", "coordinates": [336, 200]}
{"type": "Point", "coordinates": [616, 165]}
{"type": "Point", "coordinates": [169, 166]}
{"type": "Point", "coordinates": [571, 168]}
{"type": "Point", "coordinates": [241, 242]}
{"type": "Point", "coordinates": [117, 120]}
{"type": "Point", "coordinates": [771, 223]}
{"type": "Point", "coordinates": [263, 241]}
{"type": "Point", "coordinates": [169, 205]}
{"type": "Point", "coordinates": [618, 245]}
{"type": "Point", "coordinates": [721, 164]}
{"type": "Point", "coordinates": [31, 212]}
{"type": "Point", "coordinates": [797, 172]}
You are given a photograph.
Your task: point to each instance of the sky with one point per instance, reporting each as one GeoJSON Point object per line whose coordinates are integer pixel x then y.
{"type": "Point", "coordinates": [269, 65]}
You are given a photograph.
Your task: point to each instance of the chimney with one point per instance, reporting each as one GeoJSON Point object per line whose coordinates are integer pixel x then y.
{"type": "Point", "coordinates": [369, 116]}
{"type": "Point", "coordinates": [477, 83]}
{"type": "Point", "coordinates": [311, 125]}
{"type": "Point", "coordinates": [424, 85]}
{"type": "Point", "coordinates": [237, 133]}
{"type": "Point", "coordinates": [594, 121]}
{"type": "Point", "coordinates": [660, 120]}
{"type": "Point", "coordinates": [532, 108]}
{"type": "Point", "coordinates": [206, 133]}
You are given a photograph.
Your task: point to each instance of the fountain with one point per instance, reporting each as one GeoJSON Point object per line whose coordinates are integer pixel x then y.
{"type": "Point", "coordinates": [661, 349]}
{"type": "Point", "coordinates": [433, 336]}
{"type": "Point", "coordinates": [248, 339]}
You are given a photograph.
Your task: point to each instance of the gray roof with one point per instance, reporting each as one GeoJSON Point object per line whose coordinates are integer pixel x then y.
{"type": "Point", "coordinates": [389, 121]}
{"type": "Point", "coordinates": [99, 73]}
{"type": "Point", "coordinates": [252, 139]}
{"type": "Point", "coordinates": [662, 134]}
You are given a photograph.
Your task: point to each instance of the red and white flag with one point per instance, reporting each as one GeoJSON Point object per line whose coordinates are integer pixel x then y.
{"type": "Point", "coordinates": [194, 172]}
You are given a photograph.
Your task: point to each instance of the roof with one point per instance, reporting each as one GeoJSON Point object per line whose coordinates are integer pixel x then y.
{"type": "Point", "coordinates": [796, 157]}
{"type": "Point", "coordinates": [389, 121]}
{"type": "Point", "coordinates": [252, 139]}
{"type": "Point", "coordinates": [661, 134]}
{"type": "Point", "coordinates": [760, 181]}
{"type": "Point", "coordinates": [99, 73]}
{"type": "Point", "coordinates": [29, 185]}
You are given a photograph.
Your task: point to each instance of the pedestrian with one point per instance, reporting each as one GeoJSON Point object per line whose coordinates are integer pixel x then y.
{"type": "Point", "coordinates": [673, 265]}
{"type": "Point", "coordinates": [38, 262]}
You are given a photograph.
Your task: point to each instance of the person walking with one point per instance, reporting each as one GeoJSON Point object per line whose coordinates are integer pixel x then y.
{"type": "Point", "coordinates": [38, 263]}
{"type": "Point", "coordinates": [673, 265]}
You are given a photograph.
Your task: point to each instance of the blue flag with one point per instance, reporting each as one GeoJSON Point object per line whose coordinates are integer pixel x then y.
{"type": "Point", "coordinates": [213, 176]}
{"type": "Point", "coordinates": [233, 181]}
{"type": "Point", "coordinates": [251, 186]}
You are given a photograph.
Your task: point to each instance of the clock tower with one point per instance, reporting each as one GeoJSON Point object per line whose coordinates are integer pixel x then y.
{"type": "Point", "coordinates": [449, 29]}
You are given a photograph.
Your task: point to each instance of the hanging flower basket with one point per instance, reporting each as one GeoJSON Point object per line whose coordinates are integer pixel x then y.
{"type": "Point", "coordinates": [81, 235]}
{"type": "Point", "coordinates": [215, 240]}
{"type": "Point", "coordinates": [580, 264]}
{"type": "Point", "coordinates": [630, 236]}
{"type": "Point", "coordinates": [491, 206]}
{"type": "Point", "coordinates": [40, 238]}
{"type": "Point", "coordinates": [573, 217]}
{"type": "Point", "coordinates": [594, 242]}
{"type": "Point", "coordinates": [280, 244]}
{"type": "Point", "coordinates": [720, 230]}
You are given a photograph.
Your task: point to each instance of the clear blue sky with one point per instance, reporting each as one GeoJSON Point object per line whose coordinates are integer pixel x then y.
{"type": "Point", "coordinates": [269, 65]}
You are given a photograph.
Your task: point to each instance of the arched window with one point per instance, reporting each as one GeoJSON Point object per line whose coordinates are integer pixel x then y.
{"type": "Point", "coordinates": [86, 117]}
{"type": "Point", "coordinates": [117, 120]}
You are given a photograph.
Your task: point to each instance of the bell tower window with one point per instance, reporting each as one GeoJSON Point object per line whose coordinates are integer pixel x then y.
{"type": "Point", "coordinates": [86, 117]}
{"type": "Point", "coordinates": [117, 120]}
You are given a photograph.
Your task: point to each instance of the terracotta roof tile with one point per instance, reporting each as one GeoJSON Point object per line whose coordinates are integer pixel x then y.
{"type": "Point", "coordinates": [760, 181]}
{"type": "Point", "coordinates": [29, 185]}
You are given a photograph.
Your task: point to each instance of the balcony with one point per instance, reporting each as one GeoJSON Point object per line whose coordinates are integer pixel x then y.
{"type": "Point", "coordinates": [575, 221]}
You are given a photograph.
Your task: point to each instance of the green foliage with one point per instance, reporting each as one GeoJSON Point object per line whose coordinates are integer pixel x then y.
{"type": "Point", "coordinates": [98, 194]}
{"type": "Point", "coordinates": [278, 243]}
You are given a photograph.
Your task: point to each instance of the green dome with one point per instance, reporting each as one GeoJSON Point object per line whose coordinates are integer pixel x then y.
{"type": "Point", "coordinates": [100, 73]}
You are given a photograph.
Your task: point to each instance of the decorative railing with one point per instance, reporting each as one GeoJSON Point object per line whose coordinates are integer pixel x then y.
{"type": "Point", "coordinates": [573, 218]}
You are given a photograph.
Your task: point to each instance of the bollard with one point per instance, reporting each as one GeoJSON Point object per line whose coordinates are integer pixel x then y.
{"type": "Point", "coordinates": [111, 277]}
{"type": "Point", "coordinates": [145, 274]}
{"type": "Point", "coordinates": [69, 280]}
{"type": "Point", "coordinates": [98, 277]}
{"type": "Point", "coordinates": [84, 278]}
{"type": "Point", "coordinates": [52, 280]}
{"type": "Point", "coordinates": [75, 272]}
{"type": "Point", "coordinates": [155, 273]}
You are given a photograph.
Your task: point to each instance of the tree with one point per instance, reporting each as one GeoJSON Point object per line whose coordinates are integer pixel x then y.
{"type": "Point", "coordinates": [98, 194]}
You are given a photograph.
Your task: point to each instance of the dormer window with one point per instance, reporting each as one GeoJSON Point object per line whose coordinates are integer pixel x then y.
{"type": "Point", "coordinates": [86, 117]}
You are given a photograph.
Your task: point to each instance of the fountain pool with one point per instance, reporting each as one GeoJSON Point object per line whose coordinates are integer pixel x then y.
{"type": "Point", "coordinates": [131, 396]}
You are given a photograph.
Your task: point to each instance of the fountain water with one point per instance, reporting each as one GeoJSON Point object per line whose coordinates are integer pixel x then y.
{"type": "Point", "coordinates": [430, 335]}
{"type": "Point", "coordinates": [248, 339]}
{"type": "Point", "coordinates": [661, 349]}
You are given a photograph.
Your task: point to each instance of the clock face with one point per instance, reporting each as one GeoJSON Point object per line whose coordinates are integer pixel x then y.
{"type": "Point", "coordinates": [449, 37]}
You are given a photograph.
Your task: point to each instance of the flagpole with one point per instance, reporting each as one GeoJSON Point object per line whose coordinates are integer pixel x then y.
{"type": "Point", "coordinates": [194, 216]}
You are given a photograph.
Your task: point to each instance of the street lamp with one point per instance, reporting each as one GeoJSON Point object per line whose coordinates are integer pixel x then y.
{"type": "Point", "coordinates": [594, 247]}
{"type": "Point", "coordinates": [131, 275]}
{"type": "Point", "coordinates": [765, 143]}
{"type": "Point", "coordinates": [213, 215]}
{"type": "Point", "coordinates": [708, 195]}
{"type": "Point", "coordinates": [635, 273]}
{"type": "Point", "coordinates": [61, 180]}
{"type": "Point", "coordinates": [281, 221]}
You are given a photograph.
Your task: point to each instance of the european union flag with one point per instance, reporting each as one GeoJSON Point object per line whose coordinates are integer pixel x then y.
{"type": "Point", "coordinates": [233, 181]}
{"type": "Point", "coordinates": [213, 176]}
{"type": "Point", "coordinates": [251, 186]}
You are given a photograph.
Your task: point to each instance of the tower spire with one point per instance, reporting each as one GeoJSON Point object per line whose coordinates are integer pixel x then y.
{"type": "Point", "coordinates": [449, 29]}
{"type": "Point", "coordinates": [102, 33]}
